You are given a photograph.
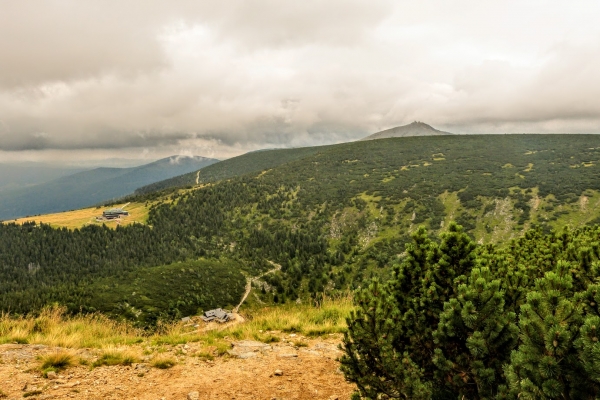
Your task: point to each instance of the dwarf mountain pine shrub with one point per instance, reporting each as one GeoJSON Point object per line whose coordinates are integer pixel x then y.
{"type": "Point", "coordinates": [458, 321]}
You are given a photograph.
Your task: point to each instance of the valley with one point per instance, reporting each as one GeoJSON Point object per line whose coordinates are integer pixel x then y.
{"type": "Point", "coordinates": [332, 220]}
{"type": "Point", "coordinates": [300, 200]}
{"type": "Point", "coordinates": [332, 216]}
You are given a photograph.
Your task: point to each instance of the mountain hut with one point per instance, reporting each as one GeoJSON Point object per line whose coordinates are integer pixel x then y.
{"type": "Point", "coordinates": [114, 213]}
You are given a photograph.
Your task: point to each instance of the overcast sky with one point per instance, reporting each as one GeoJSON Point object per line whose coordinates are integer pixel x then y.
{"type": "Point", "coordinates": [146, 79]}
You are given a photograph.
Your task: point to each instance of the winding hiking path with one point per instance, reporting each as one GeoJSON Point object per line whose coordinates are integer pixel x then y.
{"type": "Point", "coordinates": [250, 280]}
{"type": "Point", "coordinates": [198, 177]}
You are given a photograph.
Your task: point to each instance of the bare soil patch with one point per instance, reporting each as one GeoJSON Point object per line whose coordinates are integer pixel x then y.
{"type": "Point", "coordinates": [308, 371]}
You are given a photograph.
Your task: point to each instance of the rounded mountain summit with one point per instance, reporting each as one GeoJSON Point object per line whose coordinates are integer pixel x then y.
{"type": "Point", "coordinates": [413, 129]}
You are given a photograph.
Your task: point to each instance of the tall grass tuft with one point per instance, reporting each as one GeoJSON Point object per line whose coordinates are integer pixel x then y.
{"type": "Point", "coordinates": [163, 362]}
{"type": "Point", "coordinates": [58, 361]}
{"type": "Point", "coordinates": [114, 356]}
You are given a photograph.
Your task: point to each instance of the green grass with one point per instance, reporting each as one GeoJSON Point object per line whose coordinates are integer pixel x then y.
{"type": "Point", "coordinates": [116, 357]}
{"type": "Point", "coordinates": [266, 324]}
{"type": "Point", "coordinates": [163, 362]}
{"type": "Point", "coordinates": [206, 356]}
{"type": "Point", "coordinates": [58, 361]}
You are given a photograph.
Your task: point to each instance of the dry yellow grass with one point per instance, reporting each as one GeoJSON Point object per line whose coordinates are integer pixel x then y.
{"type": "Point", "coordinates": [58, 360]}
{"type": "Point", "coordinates": [162, 361]}
{"type": "Point", "coordinates": [118, 356]}
{"type": "Point", "coordinates": [138, 213]}
{"type": "Point", "coordinates": [53, 328]}
{"type": "Point", "coordinates": [306, 319]}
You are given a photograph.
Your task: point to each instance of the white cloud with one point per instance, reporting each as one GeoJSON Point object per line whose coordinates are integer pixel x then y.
{"type": "Point", "coordinates": [223, 78]}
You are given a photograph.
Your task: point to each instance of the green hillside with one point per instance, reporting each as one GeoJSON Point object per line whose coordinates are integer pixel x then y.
{"type": "Point", "coordinates": [332, 216]}
{"type": "Point", "coordinates": [245, 164]}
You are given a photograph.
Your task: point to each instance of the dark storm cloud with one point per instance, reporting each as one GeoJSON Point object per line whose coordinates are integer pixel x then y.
{"type": "Point", "coordinates": [229, 77]}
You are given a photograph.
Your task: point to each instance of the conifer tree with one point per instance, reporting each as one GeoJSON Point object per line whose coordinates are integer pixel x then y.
{"type": "Point", "coordinates": [474, 337]}
{"type": "Point", "coordinates": [588, 343]}
{"type": "Point", "coordinates": [379, 343]}
{"type": "Point", "coordinates": [588, 347]}
{"type": "Point", "coordinates": [546, 364]}
{"type": "Point", "coordinates": [389, 345]}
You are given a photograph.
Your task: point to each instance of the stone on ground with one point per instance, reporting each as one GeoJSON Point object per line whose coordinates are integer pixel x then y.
{"type": "Point", "coordinates": [193, 396]}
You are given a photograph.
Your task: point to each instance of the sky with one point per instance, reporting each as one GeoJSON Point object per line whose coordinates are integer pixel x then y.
{"type": "Point", "coordinates": [147, 79]}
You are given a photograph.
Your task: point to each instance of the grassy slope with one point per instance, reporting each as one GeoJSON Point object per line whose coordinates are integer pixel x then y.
{"type": "Point", "coordinates": [138, 213]}
{"type": "Point", "coordinates": [53, 328]}
{"type": "Point", "coordinates": [399, 182]}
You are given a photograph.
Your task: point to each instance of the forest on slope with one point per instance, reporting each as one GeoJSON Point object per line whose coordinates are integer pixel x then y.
{"type": "Point", "coordinates": [332, 216]}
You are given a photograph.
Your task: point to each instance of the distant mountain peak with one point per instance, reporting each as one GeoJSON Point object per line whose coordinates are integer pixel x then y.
{"type": "Point", "coordinates": [416, 128]}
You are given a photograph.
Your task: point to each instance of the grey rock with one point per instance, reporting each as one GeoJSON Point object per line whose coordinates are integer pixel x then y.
{"type": "Point", "coordinates": [248, 346]}
{"type": "Point", "coordinates": [193, 396]}
{"type": "Point", "coordinates": [51, 375]}
{"type": "Point", "coordinates": [247, 355]}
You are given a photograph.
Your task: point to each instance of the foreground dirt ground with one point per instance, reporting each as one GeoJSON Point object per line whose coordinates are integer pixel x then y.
{"type": "Point", "coordinates": [277, 371]}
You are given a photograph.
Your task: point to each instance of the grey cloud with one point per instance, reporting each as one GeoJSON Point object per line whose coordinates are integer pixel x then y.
{"type": "Point", "coordinates": [229, 77]}
{"type": "Point", "coordinates": [67, 40]}
{"type": "Point", "coordinates": [565, 88]}
{"type": "Point", "coordinates": [18, 141]}
{"type": "Point", "coordinates": [275, 23]}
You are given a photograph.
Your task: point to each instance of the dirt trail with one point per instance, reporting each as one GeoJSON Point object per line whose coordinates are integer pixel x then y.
{"type": "Point", "coordinates": [249, 282]}
{"type": "Point", "coordinates": [198, 177]}
{"type": "Point", "coordinates": [307, 373]}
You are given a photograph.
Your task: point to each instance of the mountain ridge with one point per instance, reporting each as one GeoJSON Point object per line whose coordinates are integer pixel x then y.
{"type": "Point", "coordinates": [87, 188]}
{"type": "Point", "coordinates": [415, 128]}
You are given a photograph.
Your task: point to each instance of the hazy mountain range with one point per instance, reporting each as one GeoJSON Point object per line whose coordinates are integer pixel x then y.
{"type": "Point", "coordinates": [85, 188]}
{"type": "Point", "coordinates": [19, 175]}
